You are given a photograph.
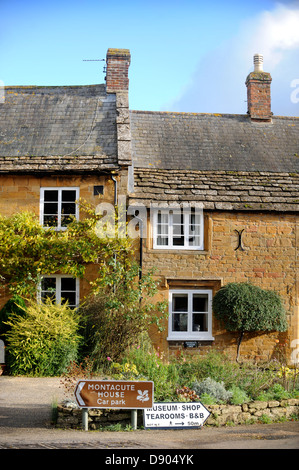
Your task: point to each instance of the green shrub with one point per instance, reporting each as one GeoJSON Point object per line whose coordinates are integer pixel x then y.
{"type": "Point", "coordinates": [15, 305]}
{"type": "Point", "coordinates": [213, 364]}
{"type": "Point", "coordinates": [239, 396]}
{"type": "Point", "coordinates": [275, 392]}
{"type": "Point", "coordinates": [118, 313]}
{"type": "Point", "coordinates": [151, 364]}
{"type": "Point", "coordinates": [207, 399]}
{"type": "Point", "coordinates": [212, 388]}
{"type": "Point", "coordinates": [243, 307]}
{"type": "Point", "coordinates": [44, 341]}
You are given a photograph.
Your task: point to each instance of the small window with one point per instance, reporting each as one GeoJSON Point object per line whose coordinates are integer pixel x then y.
{"type": "Point", "coordinates": [61, 289]}
{"type": "Point", "coordinates": [190, 315]}
{"type": "Point", "coordinates": [58, 207]}
{"type": "Point", "coordinates": [178, 229]}
{"type": "Point", "coordinates": [97, 190]}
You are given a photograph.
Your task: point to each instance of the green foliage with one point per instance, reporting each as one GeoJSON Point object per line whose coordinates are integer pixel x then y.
{"type": "Point", "coordinates": [236, 383]}
{"type": "Point", "coordinates": [44, 341]}
{"type": "Point", "coordinates": [15, 305]}
{"type": "Point", "coordinates": [28, 250]}
{"type": "Point", "coordinates": [239, 396]}
{"type": "Point", "coordinates": [119, 311]}
{"type": "Point", "coordinates": [214, 364]}
{"type": "Point", "coordinates": [124, 371]}
{"type": "Point", "coordinates": [245, 307]}
{"type": "Point", "coordinates": [252, 378]}
{"type": "Point", "coordinates": [212, 388]}
{"type": "Point", "coordinates": [119, 308]}
{"type": "Point", "coordinates": [276, 392]}
{"type": "Point", "coordinates": [207, 399]}
{"type": "Point", "coordinates": [151, 365]}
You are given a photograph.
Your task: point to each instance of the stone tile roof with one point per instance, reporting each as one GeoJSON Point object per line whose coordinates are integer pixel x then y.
{"type": "Point", "coordinates": [40, 124]}
{"type": "Point", "coordinates": [217, 190]}
{"type": "Point", "coordinates": [219, 161]}
{"type": "Point", "coordinates": [214, 142]}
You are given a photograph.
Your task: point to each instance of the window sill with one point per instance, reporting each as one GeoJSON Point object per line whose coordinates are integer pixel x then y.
{"type": "Point", "coordinates": [181, 251]}
{"type": "Point", "coordinates": [190, 338]}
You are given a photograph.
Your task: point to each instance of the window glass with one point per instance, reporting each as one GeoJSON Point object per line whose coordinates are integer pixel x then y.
{"type": "Point", "coordinates": [178, 229]}
{"type": "Point", "coordinates": [190, 314]}
{"type": "Point", "coordinates": [48, 288]}
{"type": "Point", "coordinates": [60, 288]}
{"type": "Point", "coordinates": [51, 195]}
{"type": "Point", "coordinates": [58, 207]}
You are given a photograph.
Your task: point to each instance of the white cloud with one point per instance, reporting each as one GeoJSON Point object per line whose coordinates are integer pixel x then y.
{"type": "Point", "coordinates": [273, 33]}
{"type": "Point", "coordinates": [218, 84]}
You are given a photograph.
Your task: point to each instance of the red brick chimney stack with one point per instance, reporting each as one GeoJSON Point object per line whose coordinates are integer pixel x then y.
{"type": "Point", "coordinates": [258, 85]}
{"type": "Point", "coordinates": [117, 70]}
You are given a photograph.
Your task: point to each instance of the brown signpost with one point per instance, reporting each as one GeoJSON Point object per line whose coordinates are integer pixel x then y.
{"type": "Point", "coordinates": [114, 394]}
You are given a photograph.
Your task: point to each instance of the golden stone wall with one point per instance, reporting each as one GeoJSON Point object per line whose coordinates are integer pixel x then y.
{"type": "Point", "coordinates": [269, 260]}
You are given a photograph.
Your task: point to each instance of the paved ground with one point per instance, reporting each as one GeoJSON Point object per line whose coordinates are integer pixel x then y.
{"type": "Point", "coordinates": [25, 423]}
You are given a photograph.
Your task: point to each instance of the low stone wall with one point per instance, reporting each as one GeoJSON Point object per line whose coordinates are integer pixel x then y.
{"type": "Point", "coordinates": [70, 416]}
{"type": "Point", "coordinates": [253, 412]}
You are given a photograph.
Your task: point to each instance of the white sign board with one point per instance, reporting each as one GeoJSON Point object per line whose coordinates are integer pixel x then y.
{"type": "Point", "coordinates": [175, 415]}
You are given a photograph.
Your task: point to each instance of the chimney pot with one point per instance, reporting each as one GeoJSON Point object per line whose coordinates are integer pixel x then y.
{"type": "Point", "coordinates": [258, 85]}
{"type": "Point", "coordinates": [258, 62]}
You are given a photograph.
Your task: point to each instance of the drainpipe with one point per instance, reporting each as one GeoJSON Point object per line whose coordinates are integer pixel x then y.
{"type": "Point", "coordinates": [115, 189]}
{"type": "Point", "coordinates": [140, 244]}
{"type": "Point", "coordinates": [115, 203]}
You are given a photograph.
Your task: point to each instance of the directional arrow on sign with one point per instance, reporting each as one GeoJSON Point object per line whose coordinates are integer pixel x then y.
{"type": "Point", "coordinates": [77, 393]}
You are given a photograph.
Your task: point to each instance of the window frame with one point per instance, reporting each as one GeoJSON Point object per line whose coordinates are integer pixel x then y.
{"type": "Point", "coordinates": [186, 213]}
{"type": "Point", "coordinates": [189, 334]}
{"type": "Point", "coordinates": [42, 204]}
{"type": "Point", "coordinates": [58, 278]}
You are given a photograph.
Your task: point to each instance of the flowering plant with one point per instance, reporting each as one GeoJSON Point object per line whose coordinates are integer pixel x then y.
{"type": "Point", "coordinates": [124, 371]}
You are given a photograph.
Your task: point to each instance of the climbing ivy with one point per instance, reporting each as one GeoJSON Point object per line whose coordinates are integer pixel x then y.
{"type": "Point", "coordinates": [28, 250]}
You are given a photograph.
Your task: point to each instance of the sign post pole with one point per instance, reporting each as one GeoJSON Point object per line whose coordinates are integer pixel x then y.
{"type": "Point", "coordinates": [85, 419]}
{"type": "Point", "coordinates": [134, 419]}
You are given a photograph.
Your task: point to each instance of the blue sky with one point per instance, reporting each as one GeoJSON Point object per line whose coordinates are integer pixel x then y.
{"type": "Point", "coordinates": [187, 56]}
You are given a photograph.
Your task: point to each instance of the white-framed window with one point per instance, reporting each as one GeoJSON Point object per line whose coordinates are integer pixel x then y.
{"type": "Point", "coordinates": [190, 314]}
{"type": "Point", "coordinates": [180, 229]}
{"type": "Point", "coordinates": [61, 288]}
{"type": "Point", "coordinates": [58, 207]}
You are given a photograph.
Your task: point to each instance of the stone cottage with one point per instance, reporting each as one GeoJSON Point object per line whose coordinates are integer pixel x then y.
{"type": "Point", "coordinates": [221, 193]}
{"type": "Point", "coordinates": [217, 194]}
{"type": "Point", "coordinates": [59, 144]}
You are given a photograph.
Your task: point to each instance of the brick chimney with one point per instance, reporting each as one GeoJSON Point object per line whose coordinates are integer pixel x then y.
{"type": "Point", "coordinates": [117, 70]}
{"type": "Point", "coordinates": [258, 85]}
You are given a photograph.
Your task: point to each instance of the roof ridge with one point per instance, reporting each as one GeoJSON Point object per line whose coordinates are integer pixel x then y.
{"type": "Point", "coordinates": [136, 111]}
{"type": "Point", "coordinates": [183, 112]}
{"type": "Point", "coordinates": [28, 87]}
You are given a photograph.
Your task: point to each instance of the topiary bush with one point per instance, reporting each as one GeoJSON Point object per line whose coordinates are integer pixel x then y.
{"type": "Point", "coordinates": [243, 307]}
